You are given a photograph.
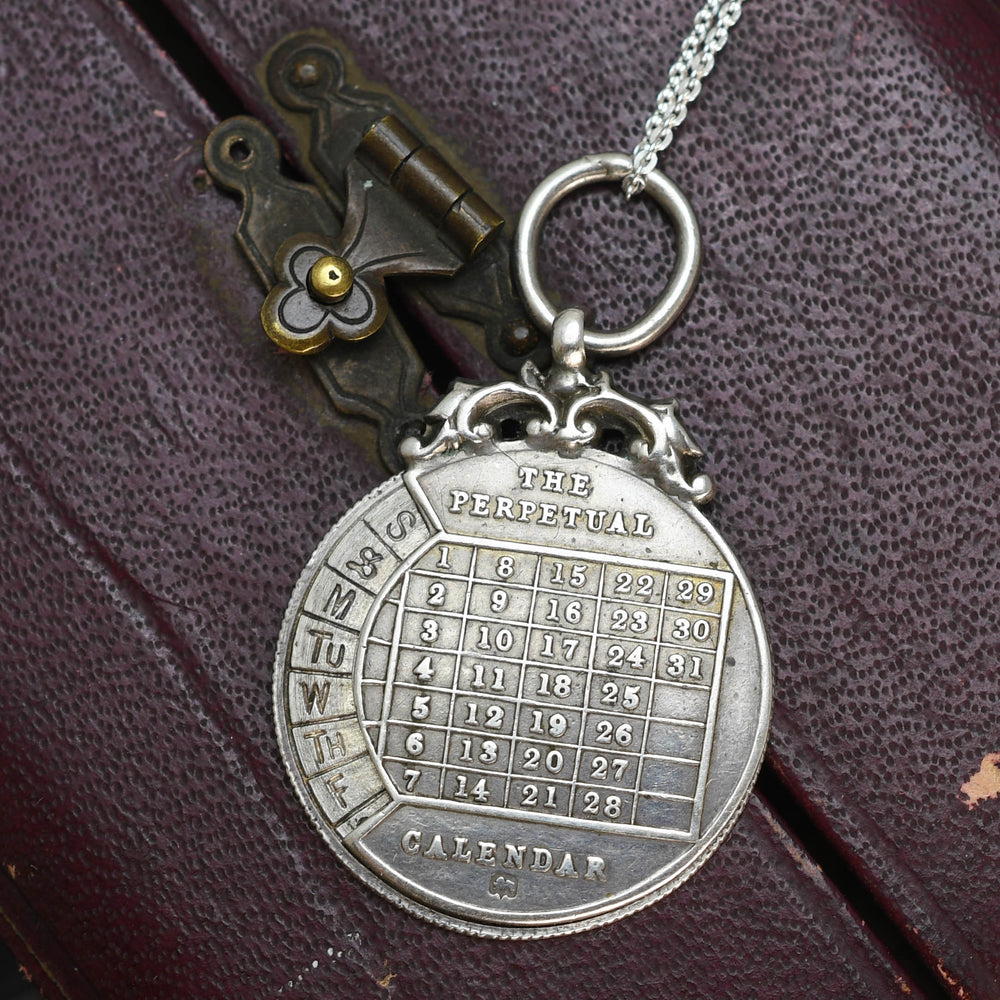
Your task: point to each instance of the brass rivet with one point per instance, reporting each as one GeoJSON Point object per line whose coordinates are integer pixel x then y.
{"type": "Point", "coordinates": [330, 279]}
{"type": "Point", "coordinates": [519, 339]}
{"type": "Point", "coordinates": [306, 73]}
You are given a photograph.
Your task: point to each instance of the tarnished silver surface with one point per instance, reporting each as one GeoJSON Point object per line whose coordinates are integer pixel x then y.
{"type": "Point", "coordinates": [524, 688]}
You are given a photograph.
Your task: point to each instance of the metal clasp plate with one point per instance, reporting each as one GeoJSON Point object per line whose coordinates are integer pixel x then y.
{"type": "Point", "coordinates": [381, 202]}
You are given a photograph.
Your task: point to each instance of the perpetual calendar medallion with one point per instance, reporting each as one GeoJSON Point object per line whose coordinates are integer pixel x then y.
{"type": "Point", "coordinates": [524, 688]}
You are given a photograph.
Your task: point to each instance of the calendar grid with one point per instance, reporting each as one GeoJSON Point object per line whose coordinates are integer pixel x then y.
{"type": "Point", "coordinates": [656, 664]}
{"type": "Point", "coordinates": [393, 656]}
{"type": "Point", "coordinates": [592, 702]}
{"type": "Point", "coordinates": [520, 692]}
{"type": "Point", "coordinates": [458, 670]}
{"type": "Point", "coordinates": [587, 686]}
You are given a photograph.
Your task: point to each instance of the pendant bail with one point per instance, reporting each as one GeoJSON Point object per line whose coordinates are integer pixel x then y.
{"type": "Point", "coordinates": [604, 168]}
{"type": "Point", "coordinates": [569, 371]}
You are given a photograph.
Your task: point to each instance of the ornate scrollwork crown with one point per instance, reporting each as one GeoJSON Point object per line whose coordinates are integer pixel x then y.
{"type": "Point", "coordinates": [565, 410]}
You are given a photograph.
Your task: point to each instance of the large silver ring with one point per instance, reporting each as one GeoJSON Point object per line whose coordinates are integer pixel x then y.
{"type": "Point", "coordinates": [601, 168]}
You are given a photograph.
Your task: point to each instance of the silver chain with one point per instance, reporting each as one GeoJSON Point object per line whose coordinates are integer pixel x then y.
{"type": "Point", "coordinates": [697, 58]}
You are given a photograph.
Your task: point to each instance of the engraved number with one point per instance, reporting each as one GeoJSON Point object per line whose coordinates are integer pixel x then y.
{"type": "Point", "coordinates": [444, 562]}
{"type": "Point", "coordinates": [505, 567]}
{"type": "Point", "coordinates": [429, 630]}
{"type": "Point", "coordinates": [676, 664]}
{"type": "Point", "coordinates": [436, 594]}
{"type": "Point", "coordinates": [502, 640]}
{"type": "Point", "coordinates": [624, 583]}
{"type": "Point", "coordinates": [612, 805]}
{"type": "Point", "coordinates": [529, 796]}
{"type": "Point", "coordinates": [424, 670]}
{"type": "Point", "coordinates": [421, 706]}
{"type": "Point", "coordinates": [607, 732]}
{"type": "Point", "coordinates": [498, 600]}
{"type": "Point", "coordinates": [572, 614]}
{"type": "Point", "coordinates": [494, 716]}
{"type": "Point", "coordinates": [703, 593]}
{"type": "Point", "coordinates": [617, 658]}
{"type": "Point", "coordinates": [700, 630]}
{"type": "Point", "coordinates": [488, 752]}
{"type": "Point", "coordinates": [627, 696]}
{"type": "Point", "coordinates": [479, 677]}
{"type": "Point", "coordinates": [410, 778]}
{"type": "Point", "coordinates": [561, 685]}
{"type": "Point", "coordinates": [568, 645]}
{"type": "Point", "coordinates": [555, 725]}
{"type": "Point", "coordinates": [638, 621]}
{"type": "Point", "coordinates": [599, 768]}
{"type": "Point", "coordinates": [533, 758]}
{"type": "Point", "coordinates": [415, 744]}
{"type": "Point", "coordinates": [478, 791]}
{"type": "Point", "coordinates": [577, 575]}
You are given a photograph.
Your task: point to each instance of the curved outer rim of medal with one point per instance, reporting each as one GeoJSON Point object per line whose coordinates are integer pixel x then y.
{"type": "Point", "coordinates": [640, 894]}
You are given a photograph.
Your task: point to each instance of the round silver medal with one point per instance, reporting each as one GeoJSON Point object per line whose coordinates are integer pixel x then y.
{"type": "Point", "coordinates": [523, 689]}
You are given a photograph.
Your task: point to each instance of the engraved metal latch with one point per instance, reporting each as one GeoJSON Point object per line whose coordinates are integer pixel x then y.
{"type": "Point", "coordinates": [407, 212]}
{"type": "Point", "coordinates": [381, 202]}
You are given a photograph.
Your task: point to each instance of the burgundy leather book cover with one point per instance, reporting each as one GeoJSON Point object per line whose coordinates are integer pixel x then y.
{"type": "Point", "coordinates": [837, 362]}
{"type": "Point", "coordinates": [167, 473]}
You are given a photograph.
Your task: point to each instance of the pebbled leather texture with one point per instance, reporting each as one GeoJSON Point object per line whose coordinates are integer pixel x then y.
{"type": "Point", "coordinates": [837, 362]}
{"type": "Point", "coordinates": [166, 474]}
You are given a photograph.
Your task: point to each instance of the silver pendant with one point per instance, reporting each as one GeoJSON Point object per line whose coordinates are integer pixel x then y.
{"type": "Point", "coordinates": [523, 689]}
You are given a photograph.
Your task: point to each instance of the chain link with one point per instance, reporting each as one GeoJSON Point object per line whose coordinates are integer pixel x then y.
{"type": "Point", "coordinates": [697, 58]}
